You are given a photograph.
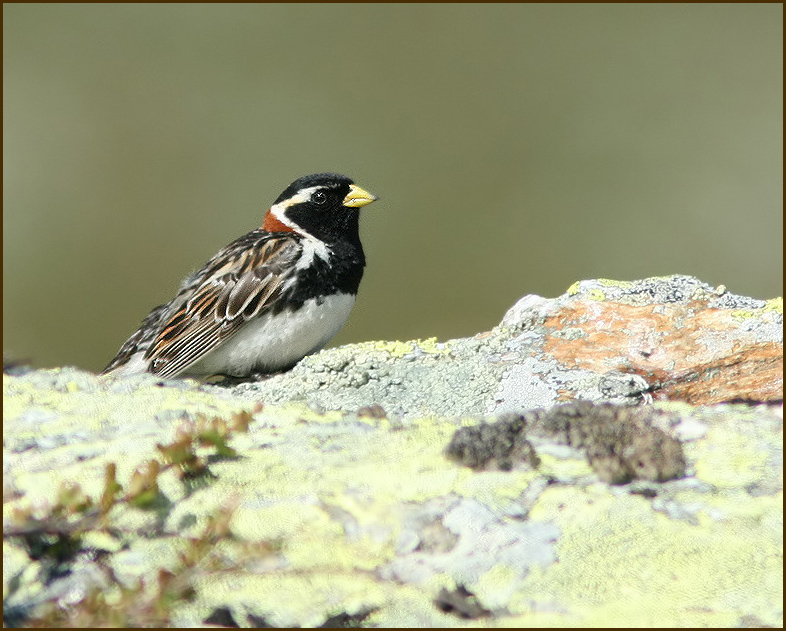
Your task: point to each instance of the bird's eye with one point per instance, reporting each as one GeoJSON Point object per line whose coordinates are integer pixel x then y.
{"type": "Point", "coordinates": [319, 197]}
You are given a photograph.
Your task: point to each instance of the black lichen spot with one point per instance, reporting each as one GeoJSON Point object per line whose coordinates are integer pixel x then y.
{"type": "Point", "coordinates": [346, 620]}
{"type": "Point", "coordinates": [258, 622]}
{"type": "Point", "coordinates": [645, 492]}
{"type": "Point", "coordinates": [460, 602]}
{"type": "Point", "coordinates": [221, 617]}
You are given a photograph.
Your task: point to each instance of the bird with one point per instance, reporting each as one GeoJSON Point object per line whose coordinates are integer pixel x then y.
{"type": "Point", "coordinates": [267, 299]}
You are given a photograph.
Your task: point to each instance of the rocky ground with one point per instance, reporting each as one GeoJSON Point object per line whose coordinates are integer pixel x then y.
{"type": "Point", "coordinates": [609, 457]}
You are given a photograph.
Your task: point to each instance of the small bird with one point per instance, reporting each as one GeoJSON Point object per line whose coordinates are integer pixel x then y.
{"type": "Point", "coordinates": [267, 299]}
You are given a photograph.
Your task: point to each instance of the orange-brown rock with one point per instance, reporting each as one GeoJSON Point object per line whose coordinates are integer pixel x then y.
{"type": "Point", "coordinates": [698, 348]}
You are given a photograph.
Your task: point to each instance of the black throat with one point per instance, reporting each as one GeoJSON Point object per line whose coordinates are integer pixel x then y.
{"type": "Point", "coordinates": [341, 273]}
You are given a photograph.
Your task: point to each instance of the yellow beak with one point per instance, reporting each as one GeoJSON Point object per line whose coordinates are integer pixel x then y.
{"type": "Point", "coordinates": [357, 197]}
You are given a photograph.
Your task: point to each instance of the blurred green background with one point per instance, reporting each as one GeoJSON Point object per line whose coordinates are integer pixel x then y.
{"type": "Point", "coordinates": [516, 149]}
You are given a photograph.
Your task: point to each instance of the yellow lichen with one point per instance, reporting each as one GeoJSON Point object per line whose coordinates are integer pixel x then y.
{"type": "Point", "coordinates": [620, 560]}
{"type": "Point", "coordinates": [771, 306]}
{"type": "Point", "coordinates": [622, 284]}
{"type": "Point", "coordinates": [496, 587]}
{"type": "Point", "coordinates": [495, 489]}
{"type": "Point", "coordinates": [432, 346]}
{"type": "Point", "coordinates": [724, 459]}
{"type": "Point", "coordinates": [394, 348]}
{"type": "Point", "coordinates": [400, 349]}
{"type": "Point", "coordinates": [775, 304]}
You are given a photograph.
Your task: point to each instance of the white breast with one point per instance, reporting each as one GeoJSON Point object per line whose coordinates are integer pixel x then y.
{"type": "Point", "coordinates": [272, 342]}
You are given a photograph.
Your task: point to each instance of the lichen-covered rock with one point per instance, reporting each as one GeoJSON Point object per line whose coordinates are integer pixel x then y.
{"type": "Point", "coordinates": [671, 338]}
{"type": "Point", "coordinates": [331, 495]}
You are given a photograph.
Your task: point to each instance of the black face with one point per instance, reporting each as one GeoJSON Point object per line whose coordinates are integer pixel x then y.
{"type": "Point", "coordinates": [317, 179]}
{"type": "Point", "coordinates": [318, 207]}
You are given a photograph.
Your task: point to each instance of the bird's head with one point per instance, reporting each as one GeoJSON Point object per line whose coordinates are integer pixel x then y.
{"type": "Point", "coordinates": [323, 205]}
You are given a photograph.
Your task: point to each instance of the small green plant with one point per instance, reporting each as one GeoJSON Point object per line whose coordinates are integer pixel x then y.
{"type": "Point", "coordinates": [55, 535]}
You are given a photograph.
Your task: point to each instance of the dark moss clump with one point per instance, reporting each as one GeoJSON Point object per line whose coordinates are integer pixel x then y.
{"type": "Point", "coordinates": [493, 446]}
{"type": "Point", "coordinates": [620, 442]}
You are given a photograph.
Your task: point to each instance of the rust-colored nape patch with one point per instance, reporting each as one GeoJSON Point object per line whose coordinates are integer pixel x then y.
{"type": "Point", "coordinates": [273, 224]}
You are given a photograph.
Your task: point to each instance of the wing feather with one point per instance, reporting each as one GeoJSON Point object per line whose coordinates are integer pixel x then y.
{"type": "Point", "coordinates": [237, 284]}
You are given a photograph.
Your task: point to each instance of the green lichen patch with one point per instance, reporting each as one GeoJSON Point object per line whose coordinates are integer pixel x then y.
{"type": "Point", "coordinates": [730, 460]}
{"type": "Point", "coordinates": [306, 599]}
{"type": "Point", "coordinates": [620, 561]}
{"type": "Point", "coordinates": [773, 306]}
{"type": "Point", "coordinates": [402, 349]}
{"type": "Point", "coordinates": [356, 517]}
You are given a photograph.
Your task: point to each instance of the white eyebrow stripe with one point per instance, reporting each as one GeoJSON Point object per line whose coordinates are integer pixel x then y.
{"type": "Point", "coordinates": [301, 196]}
{"type": "Point", "coordinates": [316, 247]}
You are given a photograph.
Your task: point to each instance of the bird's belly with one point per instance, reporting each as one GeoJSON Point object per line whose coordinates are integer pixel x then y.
{"type": "Point", "coordinates": [269, 343]}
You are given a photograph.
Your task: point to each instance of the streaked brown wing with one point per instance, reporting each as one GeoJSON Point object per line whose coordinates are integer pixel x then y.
{"type": "Point", "coordinates": [232, 288]}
